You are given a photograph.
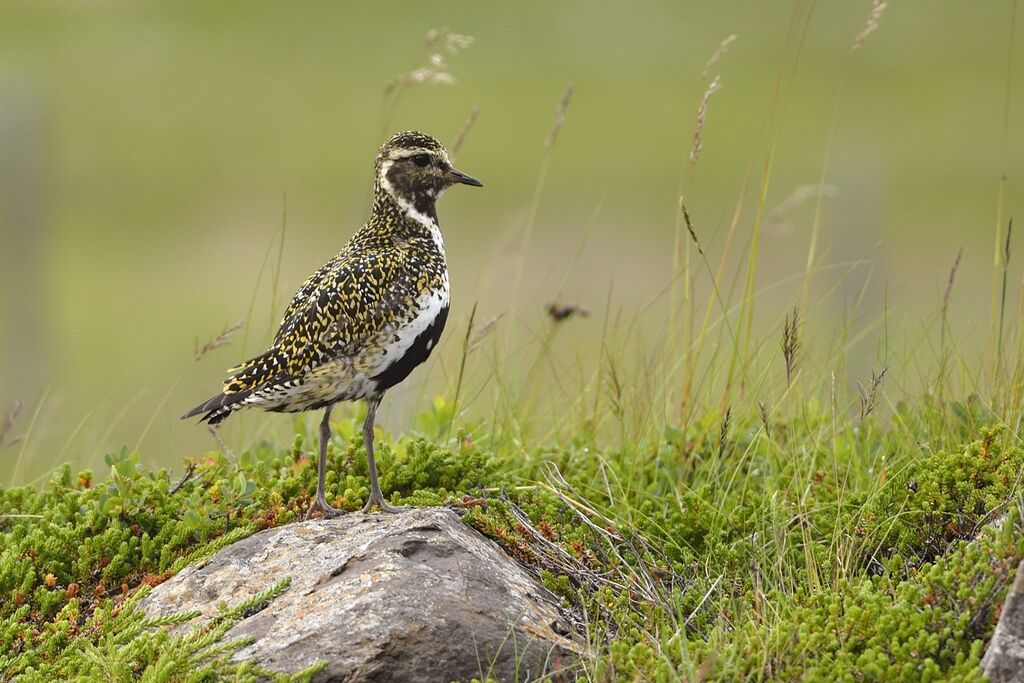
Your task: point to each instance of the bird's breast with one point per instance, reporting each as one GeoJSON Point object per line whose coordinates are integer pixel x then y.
{"type": "Point", "coordinates": [410, 342]}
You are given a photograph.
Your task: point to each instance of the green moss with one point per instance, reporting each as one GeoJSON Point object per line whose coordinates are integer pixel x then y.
{"type": "Point", "coordinates": [80, 548]}
{"type": "Point", "coordinates": [755, 559]}
{"type": "Point", "coordinates": [119, 643]}
{"type": "Point", "coordinates": [715, 610]}
{"type": "Point", "coordinates": [940, 499]}
{"type": "Point", "coordinates": [932, 625]}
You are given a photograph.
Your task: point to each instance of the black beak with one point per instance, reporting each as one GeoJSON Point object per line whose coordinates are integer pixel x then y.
{"type": "Point", "coordinates": [456, 176]}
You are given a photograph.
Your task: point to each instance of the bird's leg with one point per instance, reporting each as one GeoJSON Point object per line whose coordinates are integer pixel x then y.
{"type": "Point", "coordinates": [321, 501]}
{"type": "Point", "coordinates": [375, 493]}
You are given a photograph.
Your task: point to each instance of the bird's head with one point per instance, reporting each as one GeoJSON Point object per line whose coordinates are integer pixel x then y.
{"type": "Point", "coordinates": [414, 167]}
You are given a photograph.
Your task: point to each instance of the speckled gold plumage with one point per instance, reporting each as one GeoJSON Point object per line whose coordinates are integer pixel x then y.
{"type": "Point", "coordinates": [362, 321]}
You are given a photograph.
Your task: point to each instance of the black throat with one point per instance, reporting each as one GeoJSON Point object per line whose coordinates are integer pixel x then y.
{"type": "Point", "coordinates": [427, 205]}
{"type": "Point", "coordinates": [385, 204]}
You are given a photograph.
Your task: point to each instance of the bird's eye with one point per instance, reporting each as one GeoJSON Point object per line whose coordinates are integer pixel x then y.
{"type": "Point", "coordinates": [421, 160]}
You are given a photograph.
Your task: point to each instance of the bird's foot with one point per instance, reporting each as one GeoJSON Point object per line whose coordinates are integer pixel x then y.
{"type": "Point", "coordinates": [326, 511]}
{"type": "Point", "coordinates": [383, 505]}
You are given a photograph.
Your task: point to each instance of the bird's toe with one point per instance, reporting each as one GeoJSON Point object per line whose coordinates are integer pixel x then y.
{"type": "Point", "coordinates": [326, 511]}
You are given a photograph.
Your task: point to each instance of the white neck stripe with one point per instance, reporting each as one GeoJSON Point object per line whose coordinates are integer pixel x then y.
{"type": "Point", "coordinates": [407, 207]}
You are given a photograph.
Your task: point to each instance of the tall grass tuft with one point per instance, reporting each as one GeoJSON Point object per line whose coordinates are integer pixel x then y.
{"type": "Point", "coordinates": [702, 111]}
{"type": "Point", "coordinates": [869, 393]}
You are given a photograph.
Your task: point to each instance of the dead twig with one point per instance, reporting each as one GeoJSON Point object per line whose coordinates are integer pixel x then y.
{"type": "Point", "coordinates": [220, 340]}
{"type": "Point", "coordinates": [8, 423]}
{"type": "Point", "coordinates": [185, 478]}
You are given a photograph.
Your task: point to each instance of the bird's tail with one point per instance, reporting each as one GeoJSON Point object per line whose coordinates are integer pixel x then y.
{"type": "Point", "coordinates": [248, 377]}
{"type": "Point", "coordinates": [219, 407]}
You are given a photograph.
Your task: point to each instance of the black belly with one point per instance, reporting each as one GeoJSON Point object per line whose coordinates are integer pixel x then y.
{"type": "Point", "coordinates": [418, 352]}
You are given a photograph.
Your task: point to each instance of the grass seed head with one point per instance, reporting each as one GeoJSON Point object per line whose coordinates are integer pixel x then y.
{"type": "Point", "coordinates": [791, 342]}
{"type": "Point", "coordinates": [556, 125]}
{"type": "Point", "coordinates": [874, 17]}
{"type": "Point", "coordinates": [717, 54]}
{"type": "Point", "coordinates": [702, 111]}
{"type": "Point", "coordinates": [689, 224]}
{"type": "Point", "coordinates": [869, 393]}
{"type": "Point", "coordinates": [438, 45]}
{"type": "Point", "coordinates": [220, 340]}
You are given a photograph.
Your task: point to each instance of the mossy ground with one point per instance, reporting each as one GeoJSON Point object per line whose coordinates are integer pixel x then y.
{"type": "Point", "coordinates": [759, 551]}
{"type": "Point", "coordinates": [702, 515]}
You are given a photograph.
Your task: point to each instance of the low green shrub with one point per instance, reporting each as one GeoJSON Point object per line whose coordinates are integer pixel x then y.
{"type": "Point", "coordinates": [746, 556]}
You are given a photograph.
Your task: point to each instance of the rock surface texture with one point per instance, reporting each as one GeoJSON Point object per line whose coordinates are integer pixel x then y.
{"type": "Point", "coordinates": [1004, 660]}
{"type": "Point", "coordinates": [417, 596]}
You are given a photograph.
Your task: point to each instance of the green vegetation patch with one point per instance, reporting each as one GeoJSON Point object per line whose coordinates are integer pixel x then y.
{"type": "Point", "coordinates": [75, 554]}
{"type": "Point", "coordinates": [841, 577]}
{"type": "Point", "coordinates": [940, 499]}
{"type": "Point", "coordinates": [731, 551]}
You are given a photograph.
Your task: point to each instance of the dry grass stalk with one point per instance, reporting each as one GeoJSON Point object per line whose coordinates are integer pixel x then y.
{"type": "Point", "coordinates": [702, 111]}
{"type": "Point", "coordinates": [5, 427]}
{"type": "Point", "coordinates": [869, 393]}
{"type": "Point", "coordinates": [717, 54]}
{"type": "Point", "coordinates": [484, 330]}
{"type": "Point", "coordinates": [453, 150]}
{"type": "Point", "coordinates": [559, 121]}
{"type": "Point", "coordinates": [643, 573]}
{"type": "Point", "coordinates": [874, 17]}
{"type": "Point", "coordinates": [800, 195]}
{"type": "Point", "coordinates": [439, 44]}
{"type": "Point", "coordinates": [220, 340]}
{"type": "Point", "coordinates": [462, 370]}
{"type": "Point", "coordinates": [707, 594]}
{"type": "Point", "coordinates": [1006, 248]}
{"type": "Point", "coordinates": [561, 311]}
{"type": "Point", "coordinates": [946, 296]}
{"type": "Point", "coordinates": [1020, 299]}
{"type": "Point", "coordinates": [791, 342]}
{"type": "Point", "coordinates": [614, 389]}
{"type": "Point", "coordinates": [221, 444]}
{"type": "Point", "coordinates": [1002, 295]}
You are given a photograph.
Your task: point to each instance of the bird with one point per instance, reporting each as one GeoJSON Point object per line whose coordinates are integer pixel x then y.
{"type": "Point", "coordinates": [365, 319]}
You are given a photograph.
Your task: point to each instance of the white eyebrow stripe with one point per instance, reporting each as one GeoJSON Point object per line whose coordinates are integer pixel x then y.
{"type": "Point", "coordinates": [406, 153]}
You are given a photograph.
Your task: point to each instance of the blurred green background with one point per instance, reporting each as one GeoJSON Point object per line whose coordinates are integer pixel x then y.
{"type": "Point", "coordinates": [149, 150]}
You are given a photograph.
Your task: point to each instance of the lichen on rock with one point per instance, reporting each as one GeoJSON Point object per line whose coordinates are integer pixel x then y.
{"type": "Point", "coordinates": [413, 597]}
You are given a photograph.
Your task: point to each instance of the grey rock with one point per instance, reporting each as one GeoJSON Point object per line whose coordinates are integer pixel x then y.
{"type": "Point", "coordinates": [417, 596]}
{"type": "Point", "coordinates": [1004, 660]}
